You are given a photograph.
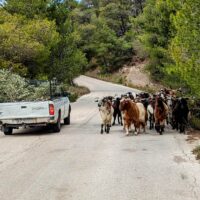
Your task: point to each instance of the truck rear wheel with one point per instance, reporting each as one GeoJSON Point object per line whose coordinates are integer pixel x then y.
{"type": "Point", "coordinates": [8, 131]}
{"type": "Point", "coordinates": [57, 126]}
{"type": "Point", "coordinates": [67, 119]}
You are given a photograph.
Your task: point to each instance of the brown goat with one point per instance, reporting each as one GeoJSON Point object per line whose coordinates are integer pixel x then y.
{"type": "Point", "coordinates": [160, 114]}
{"type": "Point", "coordinates": [131, 114]}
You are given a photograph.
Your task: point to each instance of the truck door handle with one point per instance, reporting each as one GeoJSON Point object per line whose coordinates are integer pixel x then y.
{"type": "Point", "coordinates": [22, 107]}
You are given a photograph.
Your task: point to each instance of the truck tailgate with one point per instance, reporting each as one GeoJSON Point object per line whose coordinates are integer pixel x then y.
{"type": "Point", "coordinates": [21, 110]}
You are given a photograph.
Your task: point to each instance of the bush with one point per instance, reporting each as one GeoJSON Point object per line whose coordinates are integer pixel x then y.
{"type": "Point", "coordinates": [195, 122]}
{"type": "Point", "coordinates": [13, 87]}
{"type": "Point", "coordinates": [195, 113]}
{"type": "Point", "coordinates": [196, 151]}
{"type": "Point", "coordinates": [73, 97]}
{"type": "Point", "coordinates": [42, 92]}
{"type": "Point", "coordinates": [76, 92]}
{"type": "Point", "coordinates": [194, 106]}
{"type": "Point", "coordinates": [155, 70]}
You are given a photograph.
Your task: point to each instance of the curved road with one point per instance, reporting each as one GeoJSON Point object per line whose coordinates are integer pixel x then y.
{"type": "Point", "coordinates": [81, 164]}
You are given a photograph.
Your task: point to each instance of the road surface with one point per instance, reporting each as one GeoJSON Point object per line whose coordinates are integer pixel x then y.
{"type": "Point", "coordinates": [81, 164]}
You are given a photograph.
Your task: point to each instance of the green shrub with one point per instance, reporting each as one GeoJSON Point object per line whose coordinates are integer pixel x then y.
{"type": "Point", "coordinates": [13, 87]}
{"type": "Point", "coordinates": [75, 91]}
{"type": "Point", "coordinates": [195, 122]}
{"type": "Point", "coordinates": [120, 80]}
{"type": "Point", "coordinates": [41, 92]}
{"type": "Point", "coordinates": [73, 97]}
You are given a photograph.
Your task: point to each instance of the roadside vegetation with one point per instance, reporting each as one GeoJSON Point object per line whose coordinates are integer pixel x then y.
{"type": "Point", "coordinates": [76, 91]}
{"type": "Point", "coordinates": [16, 88]}
{"type": "Point", "coordinates": [61, 39]}
{"type": "Point", "coordinates": [195, 113]}
{"type": "Point", "coordinates": [47, 39]}
{"type": "Point", "coordinates": [196, 151]}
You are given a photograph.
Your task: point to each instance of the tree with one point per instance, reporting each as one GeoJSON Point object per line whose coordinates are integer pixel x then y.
{"type": "Point", "coordinates": [102, 44]}
{"type": "Point", "coordinates": [118, 13]}
{"type": "Point", "coordinates": [154, 30]}
{"type": "Point", "coordinates": [25, 45]}
{"type": "Point", "coordinates": [105, 28]}
{"type": "Point", "coordinates": [67, 60]}
{"type": "Point", "coordinates": [39, 40]}
{"type": "Point", "coordinates": [27, 8]}
{"type": "Point", "coordinates": [185, 46]}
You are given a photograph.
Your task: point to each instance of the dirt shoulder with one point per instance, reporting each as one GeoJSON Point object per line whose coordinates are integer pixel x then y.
{"type": "Point", "coordinates": [137, 75]}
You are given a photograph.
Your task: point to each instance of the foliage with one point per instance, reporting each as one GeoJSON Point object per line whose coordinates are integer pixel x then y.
{"type": "Point", "coordinates": [27, 8]}
{"type": "Point", "coordinates": [154, 31]}
{"type": "Point", "coordinates": [75, 91]}
{"type": "Point", "coordinates": [67, 59]}
{"type": "Point", "coordinates": [25, 45]}
{"type": "Point", "coordinates": [195, 122]}
{"type": "Point", "coordinates": [169, 32]}
{"type": "Point", "coordinates": [41, 92]}
{"type": "Point", "coordinates": [194, 105]}
{"type": "Point", "coordinates": [185, 46]}
{"type": "Point", "coordinates": [196, 151]}
{"type": "Point", "coordinates": [106, 34]}
{"type": "Point", "coordinates": [13, 87]}
{"type": "Point", "coordinates": [107, 47]}
{"type": "Point", "coordinates": [63, 38]}
{"type": "Point", "coordinates": [39, 40]}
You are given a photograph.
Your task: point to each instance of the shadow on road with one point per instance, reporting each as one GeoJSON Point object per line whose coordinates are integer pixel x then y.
{"type": "Point", "coordinates": [39, 131]}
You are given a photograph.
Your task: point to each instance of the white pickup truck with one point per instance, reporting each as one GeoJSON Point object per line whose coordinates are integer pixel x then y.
{"type": "Point", "coordinates": [33, 114]}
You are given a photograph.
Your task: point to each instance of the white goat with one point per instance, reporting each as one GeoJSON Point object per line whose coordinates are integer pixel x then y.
{"type": "Point", "coordinates": [106, 113]}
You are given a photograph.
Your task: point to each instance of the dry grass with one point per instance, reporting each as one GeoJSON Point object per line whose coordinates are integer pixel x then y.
{"type": "Point", "coordinates": [193, 136]}
{"type": "Point", "coordinates": [195, 122]}
{"type": "Point", "coordinates": [196, 151]}
{"type": "Point", "coordinates": [142, 88]}
{"type": "Point", "coordinates": [114, 77]}
{"type": "Point", "coordinates": [76, 92]}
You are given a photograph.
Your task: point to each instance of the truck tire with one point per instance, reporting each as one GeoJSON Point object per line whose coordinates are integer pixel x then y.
{"type": "Point", "coordinates": [57, 126]}
{"type": "Point", "coordinates": [67, 119]}
{"type": "Point", "coordinates": [8, 131]}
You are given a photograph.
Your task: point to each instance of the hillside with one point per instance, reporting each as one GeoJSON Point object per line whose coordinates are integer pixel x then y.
{"type": "Point", "coordinates": [63, 39]}
{"type": "Point", "coordinates": [132, 74]}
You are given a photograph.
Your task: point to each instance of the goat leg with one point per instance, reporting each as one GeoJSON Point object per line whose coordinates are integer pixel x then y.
{"type": "Point", "coordinates": [101, 128]}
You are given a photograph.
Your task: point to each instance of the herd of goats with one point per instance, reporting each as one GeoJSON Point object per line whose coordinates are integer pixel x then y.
{"type": "Point", "coordinates": [159, 109]}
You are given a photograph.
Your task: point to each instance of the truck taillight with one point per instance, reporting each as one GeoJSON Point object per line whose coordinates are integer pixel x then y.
{"type": "Point", "coordinates": [51, 109]}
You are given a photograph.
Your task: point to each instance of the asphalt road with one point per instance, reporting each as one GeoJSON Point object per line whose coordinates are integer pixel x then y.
{"type": "Point", "coordinates": [81, 164]}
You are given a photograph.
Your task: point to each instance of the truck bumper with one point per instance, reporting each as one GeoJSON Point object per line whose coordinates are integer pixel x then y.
{"type": "Point", "coordinates": [30, 122]}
